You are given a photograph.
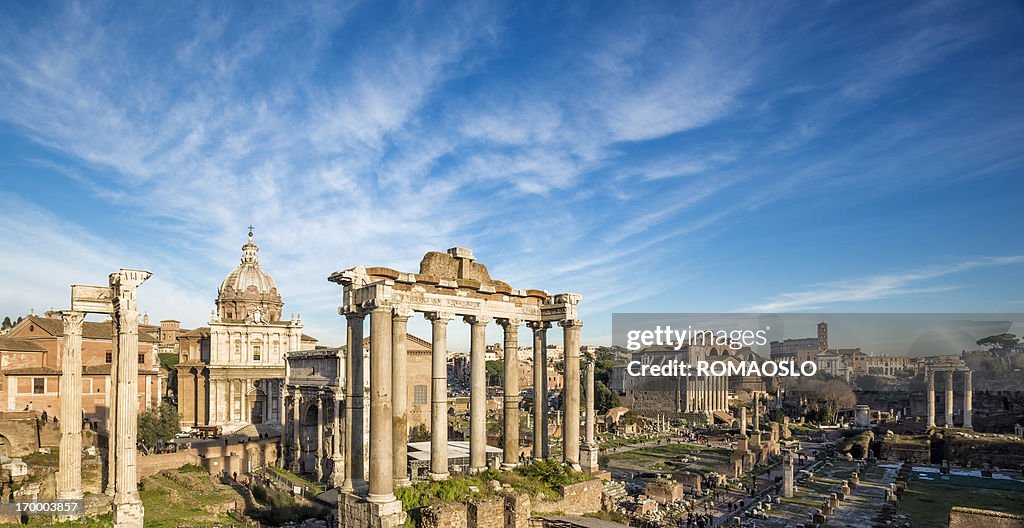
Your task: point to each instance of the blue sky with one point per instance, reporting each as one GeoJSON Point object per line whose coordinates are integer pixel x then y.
{"type": "Point", "coordinates": [684, 157]}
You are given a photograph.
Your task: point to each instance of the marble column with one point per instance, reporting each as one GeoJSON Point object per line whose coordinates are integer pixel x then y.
{"type": "Point", "coordinates": [69, 473]}
{"type": "Point", "coordinates": [354, 418]}
{"type": "Point", "coordinates": [968, 399]}
{"type": "Point", "coordinates": [588, 453]}
{"type": "Point", "coordinates": [231, 400]}
{"type": "Point", "coordinates": [399, 400]}
{"type": "Point", "coordinates": [439, 395]}
{"type": "Point", "coordinates": [127, 505]}
{"type": "Point", "coordinates": [382, 477]}
{"type": "Point", "coordinates": [787, 476]}
{"type": "Point", "coordinates": [571, 392]}
{"type": "Point", "coordinates": [286, 435]}
{"type": "Point", "coordinates": [539, 394]}
{"type": "Point", "coordinates": [931, 397]}
{"type": "Point", "coordinates": [243, 387]}
{"type": "Point", "coordinates": [337, 455]}
{"type": "Point", "coordinates": [590, 419]}
{"type": "Point", "coordinates": [296, 431]}
{"type": "Point", "coordinates": [757, 412]}
{"type": "Point", "coordinates": [510, 444]}
{"type": "Point", "coordinates": [545, 444]}
{"type": "Point", "coordinates": [949, 398]}
{"type": "Point", "coordinates": [318, 457]}
{"type": "Point", "coordinates": [743, 421]}
{"type": "Point", "coordinates": [477, 394]}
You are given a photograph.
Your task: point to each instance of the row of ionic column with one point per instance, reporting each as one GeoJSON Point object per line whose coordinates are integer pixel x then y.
{"type": "Point", "coordinates": [389, 406]}
{"type": "Point", "coordinates": [710, 393]}
{"type": "Point", "coordinates": [968, 398]}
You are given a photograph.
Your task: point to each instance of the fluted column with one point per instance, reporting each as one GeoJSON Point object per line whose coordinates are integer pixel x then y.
{"type": "Point", "coordinates": [69, 474]}
{"type": "Point", "coordinates": [297, 431]}
{"type": "Point", "coordinates": [127, 505]}
{"type": "Point", "coordinates": [382, 476]}
{"type": "Point", "coordinates": [510, 451]}
{"type": "Point", "coordinates": [399, 400]}
{"type": "Point", "coordinates": [477, 393]}
{"type": "Point", "coordinates": [337, 445]}
{"type": "Point", "coordinates": [968, 399]}
{"type": "Point", "coordinates": [231, 400]}
{"type": "Point", "coordinates": [571, 392]}
{"type": "Point", "coordinates": [590, 419]}
{"type": "Point", "coordinates": [318, 457]}
{"type": "Point", "coordinates": [439, 396]}
{"type": "Point", "coordinates": [931, 397]}
{"type": "Point", "coordinates": [354, 447]}
{"type": "Point", "coordinates": [949, 398]}
{"type": "Point", "coordinates": [540, 393]}
{"type": "Point", "coordinates": [546, 446]}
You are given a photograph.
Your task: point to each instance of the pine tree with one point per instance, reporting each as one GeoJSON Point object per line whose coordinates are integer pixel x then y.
{"type": "Point", "coordinates": [6, 324]}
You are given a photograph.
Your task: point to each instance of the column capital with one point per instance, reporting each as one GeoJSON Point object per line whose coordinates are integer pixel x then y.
{"type": "Point", "coordinates": [439, 317]}
{"type": "Point", "coordinates": [571, 323]}
{"type": "Point", "coordinates": [477, 319]}
{"type": "Point", "coordinates": [351, 313]}
{"type": "Point", "coordinates": [538, 326]}
{"type": "Point", "coordinates": [509, 323]}
{"type": "Point", "coordinates": [375, 306]}
{"type": "Point", "coordinates": [402, 313]}
{"type": "Point", "coordinates": [72, 321]}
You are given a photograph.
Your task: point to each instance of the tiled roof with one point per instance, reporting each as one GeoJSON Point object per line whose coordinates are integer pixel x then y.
{"type": "Point", "coordinates": [90, 330]}
{"type": "Point", "coordinates": [19, 345]}
{"type": "Point", "coordinates": [27, 371]}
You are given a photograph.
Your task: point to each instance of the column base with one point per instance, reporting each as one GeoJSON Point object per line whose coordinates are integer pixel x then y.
{"type": "Point", "coordinates": [588, 458]}
{"type": "Point", "coordinates": [439, 476]}
{"type": "Point", "coordinates": [477, 470]}
{"type": "Point", "coordinates": [70, 495]}
{"type": "Point", "coordinates": [354, 512]}
{"type": "Point", "coordinates": [383, 498]}
{"type": "Point", "coordinates": [508, 467]}
{"type": "Point", "coordinates": [128, 515]}
{"type": "Point", "coordinates": [403, 483]}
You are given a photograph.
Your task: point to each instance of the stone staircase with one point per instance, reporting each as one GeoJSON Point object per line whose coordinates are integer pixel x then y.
{"type": "Point", "coordinates": [613, 492]}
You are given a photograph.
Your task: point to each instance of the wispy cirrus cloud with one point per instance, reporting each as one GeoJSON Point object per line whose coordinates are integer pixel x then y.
{"type": "Point", "coordinates": [872, 288]}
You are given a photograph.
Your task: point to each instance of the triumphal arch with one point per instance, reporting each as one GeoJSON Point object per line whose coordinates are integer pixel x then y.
{"type": "Point", "coordinates": [449, 286]}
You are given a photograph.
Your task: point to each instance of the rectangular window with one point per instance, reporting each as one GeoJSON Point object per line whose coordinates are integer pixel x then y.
{"type": "Point", "coordinates": [142, 359]}
{"type": "Point", "coordinates": [419, 395]}
{"type": "Point", "coordinates": [110, 357]}
{"type": "Point", "coordinates": [256, 353]}
{"type": "Point", "coordinates": [38, 385]}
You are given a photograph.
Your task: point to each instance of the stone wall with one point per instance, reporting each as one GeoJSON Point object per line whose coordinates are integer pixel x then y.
{"type": "Point", "coordinates": [20, 435]}
{"type": "Point", "coordinates": [509, 511]}
{"type": "Point", "coordinates": [150, 465]}
{"type": "Point", "coordinates": [973, 518]}
{"type": "Point", "coordinates": [216, 458]}
{"type": "Point", "coordinates": [915, 451]}
{"type": "Point", "coordinates": [577, 499]}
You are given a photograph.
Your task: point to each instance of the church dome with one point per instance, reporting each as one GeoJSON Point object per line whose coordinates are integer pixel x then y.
{"type": "Point", "coordinates": [248, 288]}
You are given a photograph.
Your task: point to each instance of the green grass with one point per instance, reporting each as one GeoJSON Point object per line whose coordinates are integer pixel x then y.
{"type": "Point", "coordinates": [928, 503]}
{"type": "Point", "coordinates": [103, 521]}
{"type": "Point", "coordinates": [187, 498]}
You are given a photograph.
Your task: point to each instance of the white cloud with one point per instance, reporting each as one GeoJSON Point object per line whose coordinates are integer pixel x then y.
{"type": "Point", "coordinates": [876, 287]}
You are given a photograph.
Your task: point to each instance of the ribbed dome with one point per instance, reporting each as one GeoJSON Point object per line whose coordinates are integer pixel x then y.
{"type": "Point", "coordinates": [247, 288]}
{"type": "Point", "coordinates": [249, 274]}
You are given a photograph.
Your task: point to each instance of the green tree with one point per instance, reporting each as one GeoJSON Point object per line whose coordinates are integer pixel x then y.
{"type": "Point", "coordinates": [495, 371]}
{"type": "Point", "coordinates": [157, 425]}
{"type": "Point", "coordinates": [6, 324]}
{"type": "Point", "coordinates": [604, 397]}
